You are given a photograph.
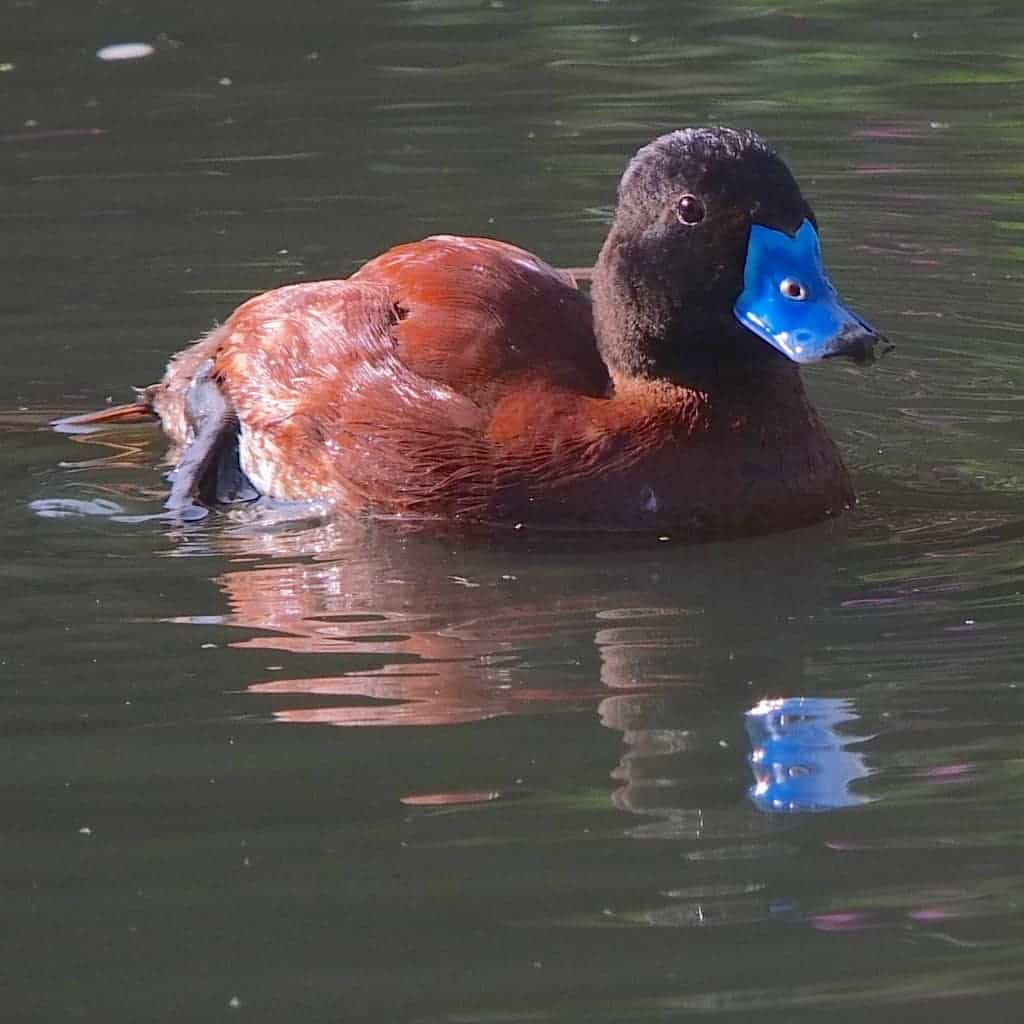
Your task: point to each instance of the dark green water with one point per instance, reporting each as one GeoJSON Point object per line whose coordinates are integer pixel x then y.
{"type": "Point", "coordinates": [276, 773]}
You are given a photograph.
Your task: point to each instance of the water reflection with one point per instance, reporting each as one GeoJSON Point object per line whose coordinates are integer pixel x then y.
{"type": "Point", "coordinates": [680, 651]}
{"type": "Point", "coordinates": [671, 645]}
{"type": "Point", "coordinates": [800, 756]}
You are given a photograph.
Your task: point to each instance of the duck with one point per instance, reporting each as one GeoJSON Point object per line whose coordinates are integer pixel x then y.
{"type": "Point", "coordinates": [464, 380]}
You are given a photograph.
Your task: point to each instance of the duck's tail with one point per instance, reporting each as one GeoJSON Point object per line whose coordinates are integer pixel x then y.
{"type": "Point", "coordinates": [140, 411]}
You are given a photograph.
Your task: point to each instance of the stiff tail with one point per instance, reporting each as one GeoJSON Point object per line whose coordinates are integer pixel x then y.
{"type": "Point", "coordinates": [134, 412]}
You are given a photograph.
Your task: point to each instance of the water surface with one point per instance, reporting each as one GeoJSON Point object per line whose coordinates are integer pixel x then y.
{"type": "Point", "coordinates": [327, 772]}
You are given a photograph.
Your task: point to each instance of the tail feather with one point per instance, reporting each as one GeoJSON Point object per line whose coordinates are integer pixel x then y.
{"type": "Point", "coordinates": [133, 412]}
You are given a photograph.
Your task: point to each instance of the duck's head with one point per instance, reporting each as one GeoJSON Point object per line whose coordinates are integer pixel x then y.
{"type": "Point", "coordinates": [713, 267]}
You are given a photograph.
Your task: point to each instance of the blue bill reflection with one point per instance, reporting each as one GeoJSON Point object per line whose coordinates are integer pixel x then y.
{"type": "Point", "coordinates": [800, 760]}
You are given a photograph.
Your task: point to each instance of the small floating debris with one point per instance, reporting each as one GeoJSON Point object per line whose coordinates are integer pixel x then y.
{"type": "Point", "coordinates": [125, 51]}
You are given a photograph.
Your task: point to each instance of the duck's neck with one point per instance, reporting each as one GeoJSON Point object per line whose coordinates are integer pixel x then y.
{"type": "Point", "coordinates": [654, 325]}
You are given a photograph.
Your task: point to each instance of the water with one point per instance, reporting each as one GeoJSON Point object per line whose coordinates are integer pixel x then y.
{"type": "Point", "coordinates": [326, 773]}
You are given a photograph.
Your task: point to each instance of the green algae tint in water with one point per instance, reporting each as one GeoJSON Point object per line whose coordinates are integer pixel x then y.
{"type": "Point", "coordinates": [314, 772]}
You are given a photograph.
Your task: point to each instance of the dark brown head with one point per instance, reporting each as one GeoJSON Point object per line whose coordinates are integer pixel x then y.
{"type": "Point", "coordinates": [711, 266]}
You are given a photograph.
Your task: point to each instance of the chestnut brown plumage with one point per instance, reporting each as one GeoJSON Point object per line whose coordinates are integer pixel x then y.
{"type": "Point", "coordinates": [464, 379]}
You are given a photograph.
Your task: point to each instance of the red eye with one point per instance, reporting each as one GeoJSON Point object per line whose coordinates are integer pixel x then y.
{"type": "Point", "coordinates": [690, 210]}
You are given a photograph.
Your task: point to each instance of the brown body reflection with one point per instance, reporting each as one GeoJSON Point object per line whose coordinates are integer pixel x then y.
{"type": "Point", "coordinates": [410, 633]}
{"type": "Point", "coordinates": [424, 631]}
